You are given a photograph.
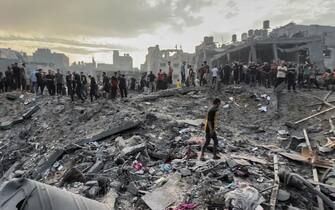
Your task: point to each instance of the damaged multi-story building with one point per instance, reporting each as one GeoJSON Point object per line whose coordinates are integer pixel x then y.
{"type": "Point", "coordinates": [292, 42]}
{"type": "Point", "coordinates": [158, 59]}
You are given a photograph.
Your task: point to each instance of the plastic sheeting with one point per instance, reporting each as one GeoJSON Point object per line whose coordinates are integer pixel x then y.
{"type": "Point", "coordinates": [244, 197]}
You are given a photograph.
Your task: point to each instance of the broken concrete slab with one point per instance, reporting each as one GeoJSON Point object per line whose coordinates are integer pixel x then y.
{"type": "Point", "coordinates": [163, 197]}
{"type": "Point", "coordinates": [133, 149]}
{"type": "Point", "coordinates": [196, 123]}
{"type": "Point", "coordinates": [98, 165]}
{"type": "Point", "coordinates": [30, 111]}
{"type": "Point", "coordinates": [283, 195]}
{"type": "Point", "coordinates": [12, 97]}
{"type": "Point", "coordinates": [110, 132]}
{"type": "Point", "coordinates": [56, 155]}
{"type": "Point", "coordinates": [110, 199]}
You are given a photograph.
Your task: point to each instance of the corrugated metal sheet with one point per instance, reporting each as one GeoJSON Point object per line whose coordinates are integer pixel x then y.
{"type": "Point", "coordinates": [27, 194]}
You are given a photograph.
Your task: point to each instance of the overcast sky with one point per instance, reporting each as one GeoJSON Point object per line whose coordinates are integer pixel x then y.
{"type": "Point", "coordinates": [86, 28]}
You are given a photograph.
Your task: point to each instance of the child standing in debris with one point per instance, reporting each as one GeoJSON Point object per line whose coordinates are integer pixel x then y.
{"type": "Point", "coordinates": [210, 129]}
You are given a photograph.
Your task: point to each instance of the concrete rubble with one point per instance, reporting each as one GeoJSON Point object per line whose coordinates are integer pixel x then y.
{"type": "Point", "coordinates": [143, 153]}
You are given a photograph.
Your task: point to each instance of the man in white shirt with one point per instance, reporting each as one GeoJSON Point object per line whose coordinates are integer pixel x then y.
{"type": "Point", "coordinates": [281, 74]}
{"type": "Point", "coordinates": [215, 71]}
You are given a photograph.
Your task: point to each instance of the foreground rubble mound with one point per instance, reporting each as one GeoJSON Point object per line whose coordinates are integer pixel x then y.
{"type": "Point", "coordinates": [143, 153]}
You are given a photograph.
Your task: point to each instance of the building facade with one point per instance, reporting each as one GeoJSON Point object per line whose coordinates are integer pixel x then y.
{"type": "Point", "coordinates": [44, 55]}
{"type": "Point", "coordinates": [292, 42]}
{"type": "Point", "coordinates": [157, 59]}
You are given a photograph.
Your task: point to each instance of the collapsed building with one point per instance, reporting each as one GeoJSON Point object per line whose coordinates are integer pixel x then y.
{"type": "Point", "coordinates": [142, 153]}
{"type": "Point", "coordinates": [158, 59]}
{"type": "Point", "coordinates": [292, 42]}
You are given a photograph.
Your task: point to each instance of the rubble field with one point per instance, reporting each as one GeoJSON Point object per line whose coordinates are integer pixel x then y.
{"type": "Point", "coordinates": [143, 152]}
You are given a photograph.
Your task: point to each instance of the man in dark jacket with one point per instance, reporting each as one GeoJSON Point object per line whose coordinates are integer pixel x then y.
{"type": "Point", "coordinates": [50, 81]}
{"type": "Point", "coordinates": [79, 87]}
{"type": "Point", "coordinates": [123, 86]}
{"type": "Point", "coordinates": [59, 82]}
{"type": "Point", "coordinates": [40, 81]}
{"type": "Point", "coordinates": [93, 88]}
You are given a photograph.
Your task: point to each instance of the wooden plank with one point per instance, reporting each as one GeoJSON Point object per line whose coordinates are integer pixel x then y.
{"type": "Point", "coordinates": [307, 140]}
{"type": "Point", "coordinates": [325, 100]}
{"type": "Point", "coordinates": [250, 158]}
{"type": "Point", "coordinates": [315, 172]}
{"type": "Point", "coordinates": [316, 179]}
{"type": "Point", "coordinates": [274, 193]}
{"type": "Point", "coordinates": [314, 115]}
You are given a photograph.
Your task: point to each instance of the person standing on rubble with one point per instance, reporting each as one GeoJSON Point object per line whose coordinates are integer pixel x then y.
{"type": "Point", "coordinates": [123, 86]}
{"type": "Point", "coordinates": [16, 76]}
{"type": "Point", "coordinates": [79, 87]}
{"type": "Point", "coordinates": [33, 81]}
{"type": "Point", "coordinates": [253, 74]}
{"type": "Point", "coordinates": [84, 83]}
{"type": "Point", "coordinates": [160, 79]}
{"type": "Point", "coordinates": [23, 80]}
{"type": "Point", "coordinates": [214, 71]}
{"type": "Point", "coordinates": [226, 74]}
{"type": "Point", "coordinates": [210, 130]}
{"type": "Point", "coordinates": [170, 74]}
{"type": "Point", "coordinates": [291, 77]}
{"type": "Point", "coordinates": [70, 84]}
{"type": "Point", "coordinates": [40, 81]}
{"type": "Point", "coordinates": [9, 79]}
{"type": "Point", "coordinates": [281, 74]}
{"type": "Point", "coordinates": [93, 88]}
{"type": "Point", "coordinates": [59, 82]}
{"type": "Point", "coordinates": [151, 79]}
{"type": "Point", "coordinates": [50, 80]}
{"type": "Point", "coordinates": [105, 83]}
{"type": "Point", "coordinates": [114, 86]}
{"type": "Point", "coordinates": [183, 72]}
{"type": "Point", "coordinates": [2, 83]}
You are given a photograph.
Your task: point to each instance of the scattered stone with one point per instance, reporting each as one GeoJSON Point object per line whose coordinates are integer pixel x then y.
{"type": "Point", "coordinates": [185, 172]}
{"type": "Point", "coordinates": [283, 195]}
{"type": "Point", "coordinates": [92, 183]}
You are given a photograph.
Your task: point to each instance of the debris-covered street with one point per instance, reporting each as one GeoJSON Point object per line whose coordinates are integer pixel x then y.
{"type": "Point", "coordinates": [143, 152]}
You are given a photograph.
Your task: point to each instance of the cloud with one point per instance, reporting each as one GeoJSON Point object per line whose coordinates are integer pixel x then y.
{"type": "Point", "coordinates": [104, 18]}
{"type": "Point", "coordinates": [81, 51]}
{"type": "Point", "coordinates": [68, 42]}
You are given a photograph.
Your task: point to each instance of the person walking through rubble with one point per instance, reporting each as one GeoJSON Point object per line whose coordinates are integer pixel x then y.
{"type": "Point", "coordinates": [210, 130]}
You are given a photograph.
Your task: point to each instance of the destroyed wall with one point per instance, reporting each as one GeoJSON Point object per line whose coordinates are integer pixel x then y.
{"type": "Point", "coordinates": [158, 59]}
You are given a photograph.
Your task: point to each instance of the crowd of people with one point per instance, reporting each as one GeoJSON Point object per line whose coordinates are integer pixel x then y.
{"type": "Point", "coordinates": [82, 86]}
{"type": "Point", "coordinates": [72, 84]}
{"type": "Point", "coordinates": [267, 75]}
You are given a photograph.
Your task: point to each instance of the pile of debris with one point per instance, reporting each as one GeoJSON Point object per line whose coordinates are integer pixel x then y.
{"type": "Point", "coordinates": [143, 152]}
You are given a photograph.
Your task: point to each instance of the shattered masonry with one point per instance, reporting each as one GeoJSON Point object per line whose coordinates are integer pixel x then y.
{"type": "Point", "coordinates": [142, 153]}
